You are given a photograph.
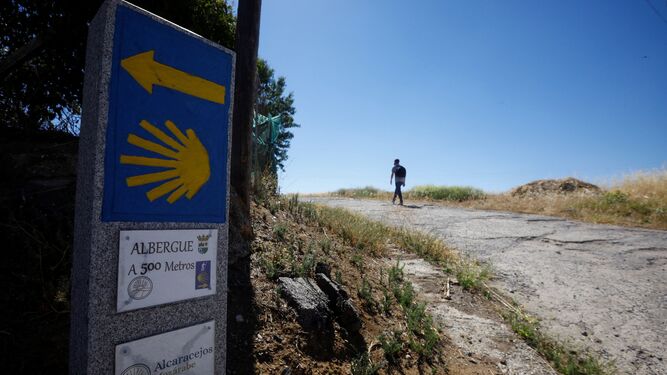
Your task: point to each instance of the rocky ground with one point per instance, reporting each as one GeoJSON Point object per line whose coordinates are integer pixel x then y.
{"type": "Point", "coordinates": [595, 286]}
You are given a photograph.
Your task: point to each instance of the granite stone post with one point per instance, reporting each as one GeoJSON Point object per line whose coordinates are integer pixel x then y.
{"type": "Point", "coordinates": [96, 326]}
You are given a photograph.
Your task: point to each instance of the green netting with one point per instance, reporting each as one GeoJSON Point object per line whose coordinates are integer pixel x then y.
{"type": "Point", "coordinates": [265, 132]}
{"type": "Point", "coordinates": [265, 129]}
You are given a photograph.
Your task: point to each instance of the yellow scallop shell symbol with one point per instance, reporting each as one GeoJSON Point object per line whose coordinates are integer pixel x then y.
{"type": "Point", "coordinates": [186, 160]}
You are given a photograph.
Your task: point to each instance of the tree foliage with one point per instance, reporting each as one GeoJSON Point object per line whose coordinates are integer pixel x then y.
{"type": "Point", "coordinates": [46, 41]}
{"type": "Point", "coordinates": [272, 100]}
{"type": "Point", "coordinates": [42, 53]}
{"type": "Point", "coordinates": [42, 58]}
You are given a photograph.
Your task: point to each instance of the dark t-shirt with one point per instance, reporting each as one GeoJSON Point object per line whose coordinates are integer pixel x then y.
{"type": "Point", "coordinates": [394, 170]}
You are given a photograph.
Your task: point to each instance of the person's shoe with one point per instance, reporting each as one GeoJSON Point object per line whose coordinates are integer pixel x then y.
{"type": "Point", "coordinates": [393, 201]}
{"type": "Point", "coordinates": [400, 204]}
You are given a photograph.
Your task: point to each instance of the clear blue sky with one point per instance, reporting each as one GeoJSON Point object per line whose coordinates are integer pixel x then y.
{"type": "Point", "coordinates": [491, 94]}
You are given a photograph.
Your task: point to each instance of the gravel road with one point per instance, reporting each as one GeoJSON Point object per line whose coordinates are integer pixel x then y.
{"type": "Point", "coordinates": [597, 286]}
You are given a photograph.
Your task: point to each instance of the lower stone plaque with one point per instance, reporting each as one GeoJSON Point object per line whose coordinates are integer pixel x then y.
{"type": "Point", "coordinates": [187, 351]}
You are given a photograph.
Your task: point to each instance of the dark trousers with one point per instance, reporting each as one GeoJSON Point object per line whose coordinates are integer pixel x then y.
{"type": "Point", "coordinates": [398, 193]}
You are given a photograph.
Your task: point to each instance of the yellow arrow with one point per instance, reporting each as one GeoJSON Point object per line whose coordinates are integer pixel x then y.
{"type": "Point", "coordinates": [148, 72]}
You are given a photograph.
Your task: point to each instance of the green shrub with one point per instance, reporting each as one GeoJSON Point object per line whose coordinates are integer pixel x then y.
{"type": "Point", "coordinates": [279, 231]}
{"type": "Point", "coordinates": [306, 266]}
{"type": "Point", "coordinates": [363, 365]}
{"type": "Point", "coordinates": [365, 293]}
{"type": "Point", "coordinates": [364, 192]}
{"type": "Point", "coordinates": [445, 193]}
{"type": "Point", "coordinates": [391, 345]}
{"type": "Point", "coordinates": [614, 197]}
{"type": "Point", "coordinates": [471, 274]}
{"type": "Point", "coordinates": [395, 275]}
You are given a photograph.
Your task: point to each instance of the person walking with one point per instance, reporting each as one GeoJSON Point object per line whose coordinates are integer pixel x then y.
{"type": "Point", "coordinates": [399, 171]}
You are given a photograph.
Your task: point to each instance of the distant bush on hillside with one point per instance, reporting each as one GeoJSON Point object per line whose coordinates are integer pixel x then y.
{"type": "Point", "coordinates": [421, 192]}
{"type": "Point", "coordinates": [363, 192]}
{"type": "Point", "coordinates": [445, 193]}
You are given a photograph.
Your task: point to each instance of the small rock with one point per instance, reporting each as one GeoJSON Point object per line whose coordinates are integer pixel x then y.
{"type": "Point", "coordinates": [340, 303]}
{"type": "Point", "coordinates": [310, 303]}
{"type": "Point", "coordinates": [584, 333]}
{"type": "Point", "coordinates": [349, 315]}
{"type": "Point", "coordinates": [330, 288]}
{"type": "Point", "coordinates": [323, 268]}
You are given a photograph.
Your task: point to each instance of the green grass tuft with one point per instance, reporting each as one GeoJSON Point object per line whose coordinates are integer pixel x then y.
{"type": "Point", "coordinates": [363, 192]}
{"type": "Point", "coordinates": [445, 193]}
{"type": "Point", "coordinates": [562, 357]}
{"type": "Point", "coordinates": [392, 344]}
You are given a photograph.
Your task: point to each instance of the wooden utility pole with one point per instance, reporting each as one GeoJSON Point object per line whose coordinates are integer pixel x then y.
{"type": "Point", "coordinates": [247, 43]}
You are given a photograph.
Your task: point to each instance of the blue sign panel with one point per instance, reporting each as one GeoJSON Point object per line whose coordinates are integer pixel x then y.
{"type": "Point", "coordinates": [167, 133]}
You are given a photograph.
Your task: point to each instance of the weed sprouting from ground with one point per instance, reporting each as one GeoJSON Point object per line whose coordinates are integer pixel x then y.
{"type": "Point", "coordinates": [404, 294]}
{"type": "Point", "coordinates": [326, 245]}
{"type": "Point", "coordinates": [365, 294]}
{"type": "Point", "coordinates": [279, 231]}
{"type": "Point", "coordinates": [387, 301]}
{"type": "Point", "coordinates": [358, 261]}
{"type": "Point", "coordinates": [391, 344]}
{"type": "Point", "coordinates": [278, 263]}
{"type": "Point", "coordinates": [338, 277]}
{"type": "Point", "coordinates": [363, 365]}
{"type": "Point", "coordinates": [306, 266]}
{"type": "Point", "coordinates": [471, 274]}
{"type": "Point", "coordinates": [395, 275]}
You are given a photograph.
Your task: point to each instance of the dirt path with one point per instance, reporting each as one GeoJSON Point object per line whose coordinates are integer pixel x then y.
{"type": "Point", "coordinates": [598, 286]}
{"type": "Point", "coordinates": [481, 342]}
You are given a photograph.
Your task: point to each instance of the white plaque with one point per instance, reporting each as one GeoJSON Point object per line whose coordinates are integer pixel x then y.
{"type": "Point", "coordinates": [186, 351]}
{"type": "Point", "coordinates": [162, 266]}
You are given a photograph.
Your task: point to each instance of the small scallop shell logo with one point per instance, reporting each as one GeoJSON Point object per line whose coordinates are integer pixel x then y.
{"type": "Point", "coordinates": [138, 369]}
{"type": "Point", "coordinates": [140, 287]}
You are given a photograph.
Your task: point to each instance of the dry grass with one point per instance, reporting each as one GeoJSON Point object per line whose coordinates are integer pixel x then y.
{"type": "Point", "coordinates": [638, 200]}
{"type": "Point", "coordinates": [647, 185]}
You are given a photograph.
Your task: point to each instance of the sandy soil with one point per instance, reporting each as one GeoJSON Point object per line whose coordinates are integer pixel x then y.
{"type": "Point", "coordinates": [597, 286]}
